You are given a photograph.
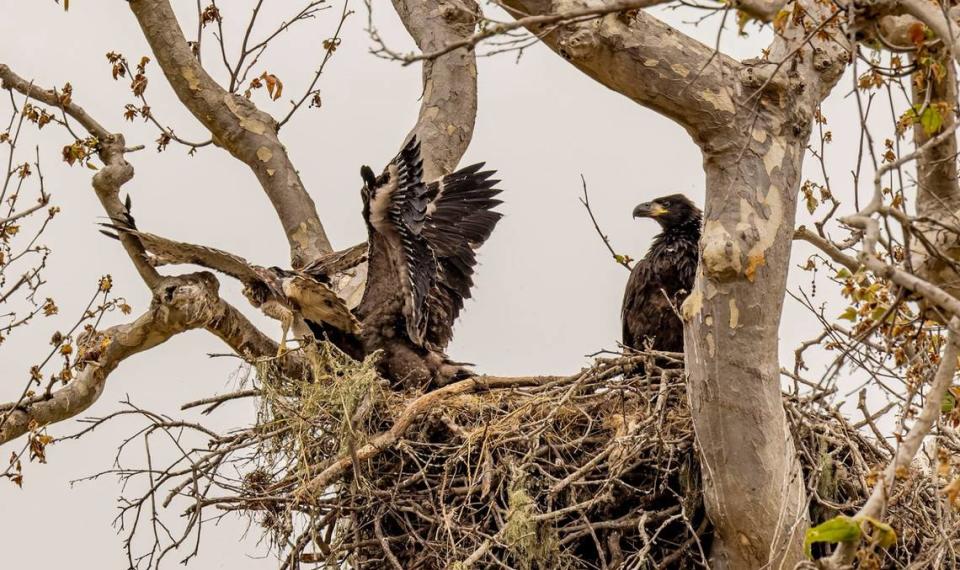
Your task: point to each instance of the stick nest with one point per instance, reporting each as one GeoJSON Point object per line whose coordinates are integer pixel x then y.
{"type": "Point", "coordinates": [592, 471]}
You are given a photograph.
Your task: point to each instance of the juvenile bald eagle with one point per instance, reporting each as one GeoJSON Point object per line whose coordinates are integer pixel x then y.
{"type": "Point", "coordinates": [422, 242]}
{"type": "Point", "coordinates": [297, 298]}
{"type": "Point", "coordinates": [661, 280]}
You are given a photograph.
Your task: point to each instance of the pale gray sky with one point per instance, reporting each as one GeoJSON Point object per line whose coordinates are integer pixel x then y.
{"type": "Point", "coordinates": [546, 295]}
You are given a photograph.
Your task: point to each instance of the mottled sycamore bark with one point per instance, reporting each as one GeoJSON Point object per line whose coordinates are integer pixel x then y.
{"type": "Point", "coordinates": [938, 192]}
{"type": "Point", "coordinates": [752, 122]}
{"type": "Point", "coordinates": [448, 110]}
{"type": "Point", "coordinates": [237, 125]}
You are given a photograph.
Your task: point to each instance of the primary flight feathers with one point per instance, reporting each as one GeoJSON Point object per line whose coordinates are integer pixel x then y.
{"type": "Point", "coordinates": [424, 236]}
{"type": "Point", "coordinates": [421, 251]}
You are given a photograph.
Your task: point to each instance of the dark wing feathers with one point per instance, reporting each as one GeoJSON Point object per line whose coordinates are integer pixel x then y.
{"type": "Point", "coordinates": [460, 221]}
{"type": "Point", "coordinates": [410, 201]}
{"type": "Point", "coordinates": [440, 225]}
{"type": "Point", "coordinates": [408, 214]}
{"type": "Point", "coordinates": [657, 287]}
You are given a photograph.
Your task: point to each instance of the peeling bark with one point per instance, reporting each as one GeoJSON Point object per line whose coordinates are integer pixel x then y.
{"type": "Point", "coordinates": [449, 108]}
{"type": "Point", "coordinates": [753, 486]}
{"type": "Point", "coordinates": [179, 304]}
{"type": "Point", "coordinates": [938, 191]}
{"type": "Point", "coordinates": [646, 60]}
{"type": "Point", "coordinates": [248, 133]}
{"type": "Point", "coordinates": [752, 122]}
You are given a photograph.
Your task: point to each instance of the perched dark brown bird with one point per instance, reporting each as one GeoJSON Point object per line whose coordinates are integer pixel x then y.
{"type": "Point", "coordinates": [422, 243]}
{"type": "Point", "coordinates": [661, 280]}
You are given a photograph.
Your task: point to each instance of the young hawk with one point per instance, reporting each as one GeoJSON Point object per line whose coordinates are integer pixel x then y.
{"type": "Point", "coordinates": [296, 298]}
{"type": "Point", "coordinates": [661, 280]}
{"type": "Point", "coordinates": [422, 243]}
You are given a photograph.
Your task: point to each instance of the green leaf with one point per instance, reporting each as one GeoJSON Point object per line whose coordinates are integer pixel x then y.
{"type": "Point", "coordinates": [838, 529]}
{"type": "Point", "coordinates": [878, 313]}
{"type": "Point", "coordinates": [948, 404]}
{"type": "Point", "coordinates": [849, 315]}
{"type": "Point", "coordinates": [883, 533]}
{"type": "Point", "coordinates": [931, 120]}
{"type": "Point", "coordinates": [742, 19]}
{"type": "Point", "coordinates": [844, 273]}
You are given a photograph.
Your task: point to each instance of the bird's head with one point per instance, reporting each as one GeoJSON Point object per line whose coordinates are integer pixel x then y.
{"type": "Point", "coordinates": [369, 182]}
{"type": "Point", "coordinates": [669, 211]}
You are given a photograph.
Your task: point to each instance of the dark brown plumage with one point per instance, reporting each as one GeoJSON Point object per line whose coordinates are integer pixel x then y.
{"type": "Point", "coordinates": [421, 257]}
{"type": "Point", "coordinates": [422, 243]}
{"type": "Point", "coordinates": [660, 281]}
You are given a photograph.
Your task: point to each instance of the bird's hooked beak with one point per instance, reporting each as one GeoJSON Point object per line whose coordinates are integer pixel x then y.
{"type": "Point", "coordinates": [649, 210]}
{"type": "Point", "coordinates": [369, 178]}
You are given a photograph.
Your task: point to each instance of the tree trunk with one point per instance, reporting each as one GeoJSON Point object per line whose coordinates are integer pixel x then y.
{"type": "Point", "coordinates": [754, 491]}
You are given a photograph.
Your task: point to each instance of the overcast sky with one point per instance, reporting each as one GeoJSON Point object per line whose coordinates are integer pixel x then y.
{"type": "Point", "coordinates": [547, 293]}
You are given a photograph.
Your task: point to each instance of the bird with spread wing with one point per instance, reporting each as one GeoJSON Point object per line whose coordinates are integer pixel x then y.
{"type": "Point", "coordinates": [421, 255]}
{"type": "Point", "coordinates": [297, 298]}
{"type": "Point", "coordinates": [422, 244]}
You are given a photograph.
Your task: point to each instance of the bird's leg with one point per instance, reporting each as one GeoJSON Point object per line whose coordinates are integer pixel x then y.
{"type": "Point", "coordinates": [286, 321]}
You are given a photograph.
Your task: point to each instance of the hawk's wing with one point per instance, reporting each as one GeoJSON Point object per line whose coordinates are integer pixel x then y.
{"type": "Point", "coordinates": [407, 214]}
{"type": "Point", "coordinates": [434, 230]}
{"type": "Point", "coordinates": [330, 264]}
{"type": "Point", "coordinates": [460, 218]}
{"type": "Point", "coordinates": [175, 252]}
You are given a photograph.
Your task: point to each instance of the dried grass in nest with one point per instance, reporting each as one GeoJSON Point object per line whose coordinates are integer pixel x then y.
{"type": "Point", "coordinates": [598, 470]}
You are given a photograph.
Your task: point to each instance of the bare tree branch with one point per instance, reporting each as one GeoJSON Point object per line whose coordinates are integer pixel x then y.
{"type": "Point", "coordinates": [238, 126]}
{"type": "Point", "coordinates": [228, 324]}
{"type": "Point", "coordinates": [568, 17]}
{"type": "Point", "coordinates": [179, 304]}
{"type": "Point", "coordinates": [642, 58]}
{"type": "Point", "coordinates": [911, 443]}
{"type": "Point", "coordinates": [108, 180]}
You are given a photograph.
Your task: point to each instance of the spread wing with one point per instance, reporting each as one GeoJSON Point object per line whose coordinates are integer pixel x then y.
{"type": "Point", "coordinates": [408, 216]}
{"type": "Point", "coordinates": [460, 218]}
{"type": "Point", "coordinates": [327, 265]}
{"type": "Point", "coordinates": [433, 230]}
{"type": "Point", "coordinates": [168, 251]}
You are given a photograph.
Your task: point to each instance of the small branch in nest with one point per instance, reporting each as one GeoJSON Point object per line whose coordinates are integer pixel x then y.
{"type": "Point", "coordinates": [417, 407]}
{"type": "Point", "coordinates": [217, 400]}
{"type": "Point", "coordinates": [623, 260]}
